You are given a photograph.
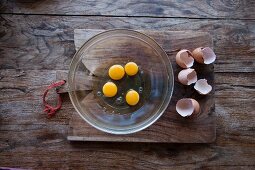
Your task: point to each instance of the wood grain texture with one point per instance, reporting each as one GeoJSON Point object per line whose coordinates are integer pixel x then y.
{"type": "Point", "coordinates": [236, 9]}
{"type": "Point", "coordinates": [46, 42]}
{"type": "Point", "coordinates": [29, 140]}
{"type": "Point", "coordinates": [170, 128]}
{"type": "Point", "coordinates": [170, 41]}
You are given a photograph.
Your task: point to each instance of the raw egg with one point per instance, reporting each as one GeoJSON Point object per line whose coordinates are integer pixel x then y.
{"type": "Point", "coordinates": [110, 89]}
{"type": "Point", "coordinates": [131, 68]}
{"type": "Point", "coordinates": [132, 97]}
{"type": "Point", "coordinates": [116, 72]}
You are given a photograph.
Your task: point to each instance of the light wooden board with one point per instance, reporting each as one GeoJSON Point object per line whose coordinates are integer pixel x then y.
{"type": "Point", "coordinates": [170, 127]}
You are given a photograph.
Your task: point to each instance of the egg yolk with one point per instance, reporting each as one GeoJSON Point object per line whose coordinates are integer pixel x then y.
{"type": "Point", "coordinates": [132, 97]}
{"type": "Point", "coordinates": [109, 89]}
{"type": "Point", "coordinates": [131, 68]}
{"type": "Point", "coordinates": [116, 72]}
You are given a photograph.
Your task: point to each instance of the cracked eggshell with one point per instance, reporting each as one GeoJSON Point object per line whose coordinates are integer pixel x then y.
{"type": "Point", "coordinates": [196, 106]}
{"type": "Point", "coordinates": [184, 59]}
{"type": "Point", "coordinates": [187, 106]}
{"type": "Point", "coordinates": [204, 55]}
{"type": "Point", "coordinates": [187, 76]}
{"type": "Point", "coordinates": [202, 87]}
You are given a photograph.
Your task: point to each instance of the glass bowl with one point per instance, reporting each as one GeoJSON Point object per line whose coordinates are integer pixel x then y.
{"type": "Point", "coordinates": [89, 71]}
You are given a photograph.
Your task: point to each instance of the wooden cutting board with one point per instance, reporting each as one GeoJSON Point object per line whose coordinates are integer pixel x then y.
{"type": "Point", "coordinates": [170, 127]}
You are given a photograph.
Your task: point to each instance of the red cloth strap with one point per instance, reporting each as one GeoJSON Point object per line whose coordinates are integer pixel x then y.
{"type": "Point", "coordinates": [50, 110]}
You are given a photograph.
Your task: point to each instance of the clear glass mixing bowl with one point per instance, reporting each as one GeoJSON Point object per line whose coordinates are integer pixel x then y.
{"type": "Point", "coordinates": [89, 71]}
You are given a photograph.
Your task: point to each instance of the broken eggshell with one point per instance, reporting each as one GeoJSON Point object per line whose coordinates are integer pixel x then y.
{"type": "Point", "coordinates": [187, 106]}
{"type": "Point", "coordinates": [187, 76]}
{"type": "Point", "coordinates": [202, 87]}
{"type": "Point", "coordinates": [204, 55]}
{"type": "Point", "coordinates": [184, 59]}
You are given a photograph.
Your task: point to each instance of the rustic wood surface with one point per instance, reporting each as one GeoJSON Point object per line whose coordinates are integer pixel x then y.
{"type": "Point", "coordinates": [170, 128]}
{"type": "Point", "coordinates": [235, 9]}
{"type": "Point", "coordinates": [32, 38]}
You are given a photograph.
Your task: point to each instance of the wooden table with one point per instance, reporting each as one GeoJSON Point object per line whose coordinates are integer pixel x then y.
{"type": "Point", "coordinates": [36, 39]}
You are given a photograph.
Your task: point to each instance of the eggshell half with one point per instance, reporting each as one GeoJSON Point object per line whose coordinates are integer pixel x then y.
{"type": "Point", "coordinates": [184, 59]}
{"type": "Point", "coordinates": [187, 76]}
{"type": "Point", "coordinates": [204, 55]}
{"type": "Point", "coordinates": [198, 55]}
{"type": "Point", "coordinates": [208, 55]}
{"type": "Point", "coordinates": [187, 106]}
{"type": "Point", "coordinates": [202, 87]}
{"type": "Point", "coordinates": [196, 106]}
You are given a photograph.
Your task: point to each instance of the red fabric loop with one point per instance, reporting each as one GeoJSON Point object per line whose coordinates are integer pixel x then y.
{"type": "Point", "coordinates": [50, 110]}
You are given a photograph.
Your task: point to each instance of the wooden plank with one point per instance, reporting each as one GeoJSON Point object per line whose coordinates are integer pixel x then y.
{"type": "Point", "coordinates": [46, 42]}
{"type": "Point", "coordinates": [29, 140]}
{"type": "Point", "coordinates": [163, 8]}
{"type": "Point", "coordinates": [170, 127]}
{"type": "Point", "coordinates": [170, 46]}
{"type": "Point", "coordinates": [29, 85]}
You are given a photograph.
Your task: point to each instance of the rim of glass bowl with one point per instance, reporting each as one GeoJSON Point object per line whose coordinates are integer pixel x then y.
{"type": "Point", "coordinates": [135, 34]}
